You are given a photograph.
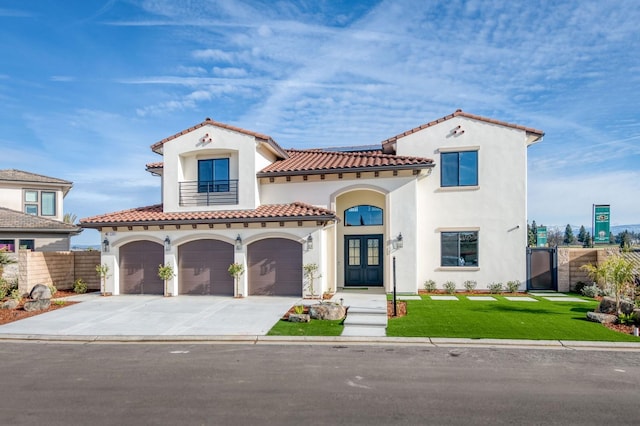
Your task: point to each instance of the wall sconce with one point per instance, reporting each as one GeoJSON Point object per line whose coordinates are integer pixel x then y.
{"type": "Point", "coordinates": [238, 242]}
{"type": "Point", "coordinates": [167, 244]}
{"type": "Point", "coordinates": [105, 245]}
{"type": "Point", "coordinates": [399, 242]}
{"type": "Point", "coordinates": [309, 242]}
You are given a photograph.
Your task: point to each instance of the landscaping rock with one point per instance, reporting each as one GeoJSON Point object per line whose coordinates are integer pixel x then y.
{"type": "Point", "coordinates": [299, 318]}
{"type": "Point", "coordinates": [37, 305]}
{"type": "Point", "coordinates": [10, 304]}
{"type": "Point", "coordinates": [601, 318]}
{"type": "Point", "coordinates": [608, 306]}
{"type": "Point", "coordinates": [40, 291]}
{"type": "Point", "coordinates": [327, 311]}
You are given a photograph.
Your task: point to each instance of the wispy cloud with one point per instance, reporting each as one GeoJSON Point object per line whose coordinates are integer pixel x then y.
{"type": "Point", "coordinates": [62, 78]}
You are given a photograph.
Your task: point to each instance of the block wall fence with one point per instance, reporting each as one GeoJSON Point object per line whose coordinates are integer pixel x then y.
{"type": "Point", "coordinates": [570, 261]}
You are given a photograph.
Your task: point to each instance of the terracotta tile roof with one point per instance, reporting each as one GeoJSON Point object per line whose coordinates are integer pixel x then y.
{"type": "Point", "coordinates": [155, 215]}
{"type": "Point", "coordinates": [13, 220]}
{"type": "Point", "coordinates": [28, 177]}
{"type": "Point", "coordinates": [158, 165]}
{"type": "Point", "coordinates": [460, 113]}
{"type": "Point", "coordinates": [317, 161]}
{"type": "Point", "coordinates": [156, 147]}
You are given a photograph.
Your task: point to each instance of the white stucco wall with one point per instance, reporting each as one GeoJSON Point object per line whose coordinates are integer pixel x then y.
{"type": "Point", "coordinates": [496, 207]}
{"type": "Point", "coordinates": [12, 197]}
{"type": "Point", "coordinates": [181, 157]}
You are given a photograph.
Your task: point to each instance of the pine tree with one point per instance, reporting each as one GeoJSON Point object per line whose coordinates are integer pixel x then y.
{"type": "Point", "coordinates": [532, 234]}
{"type": "Point", "coordinates": [588, 242]}
{"type": "Point", "coordinates": [568, 235]}
{"type": "Point", "coordinates": [582, 234]}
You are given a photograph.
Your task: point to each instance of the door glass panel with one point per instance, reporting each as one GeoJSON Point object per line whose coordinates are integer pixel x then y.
{"type": "Point", "coordinates": [354, 252]}
{"type": "Point", "coordinates": [373, 252]}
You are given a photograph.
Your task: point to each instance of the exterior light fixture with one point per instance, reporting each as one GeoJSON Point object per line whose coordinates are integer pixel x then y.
{"type": "Point", "coordinates": [399, 243]}
{"type": "Point", "coordinates": [238, 242]}
{"type": "Point", "coordinates": [309, 242]}
{"type": "Point", "coordinates": [105, 245]}
{"type": "Point", "coordinates": [167, 244]}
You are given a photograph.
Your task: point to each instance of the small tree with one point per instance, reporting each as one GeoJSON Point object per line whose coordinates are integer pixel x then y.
{"type": "Point", "coordinates": [165, 273]}
{"type": "Point", "coordinates": [582, 234]}
{"type": "Point", "coordinates": [615, 273]}
{"type": "Point", "coordinates": [236, 270]}
{"type": "Point", "coordinates": [568, 235]}
{"type": "Point", "coordinates": [103, 273]}
{"type": "Point", "coordinates": [310, 274]}
{"type": "Point", "coordinates": [5, 260]}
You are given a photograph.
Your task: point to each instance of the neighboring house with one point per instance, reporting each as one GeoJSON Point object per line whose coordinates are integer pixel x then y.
{"type": "Point", "coordinates": [446, 200]}
{"type": "Point", "coordinates": [32, 211]}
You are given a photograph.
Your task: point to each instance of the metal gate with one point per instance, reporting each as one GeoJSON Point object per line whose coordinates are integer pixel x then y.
{"type": "Point", "coordinates": [542, 268]}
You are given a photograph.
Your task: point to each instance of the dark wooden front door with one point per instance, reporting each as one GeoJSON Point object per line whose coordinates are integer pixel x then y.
{"type": "Point", "coordinates": [363, 260]}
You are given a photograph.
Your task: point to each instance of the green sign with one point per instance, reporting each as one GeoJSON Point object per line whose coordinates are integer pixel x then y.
{"type": "Point", "coordinates": [541, 236]}
{"type": "Point", "coordinates": [601, 222]}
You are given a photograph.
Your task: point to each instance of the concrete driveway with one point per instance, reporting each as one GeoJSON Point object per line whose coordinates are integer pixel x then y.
{"type": "Point", "coordinates": [157, 316]}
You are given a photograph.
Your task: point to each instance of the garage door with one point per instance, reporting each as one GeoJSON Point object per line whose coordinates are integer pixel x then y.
{"type": "Point", "coordinates": [275, 267]}
{"type": "Point", "coordinates": [203, 268]}
{"type": "Point", "coordinates": [139, 262]}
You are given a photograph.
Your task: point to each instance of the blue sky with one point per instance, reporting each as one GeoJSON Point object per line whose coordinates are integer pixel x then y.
{"type": "Point", "coordinates": [87, 86]}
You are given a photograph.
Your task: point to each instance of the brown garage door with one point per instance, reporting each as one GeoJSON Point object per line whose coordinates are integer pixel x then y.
{"type": "Point", "coordinates": [139, 262]}
{"type": "Point", "coordinates": [275, 267]}
{"type": "Point", "coordinates": [203, 267]}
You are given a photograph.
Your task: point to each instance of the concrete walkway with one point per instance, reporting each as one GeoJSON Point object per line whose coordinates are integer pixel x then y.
{"type": "Point", "coordinates": [367, 313]}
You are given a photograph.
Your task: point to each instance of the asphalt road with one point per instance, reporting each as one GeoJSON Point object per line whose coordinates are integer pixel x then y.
{"type": "Point", "coordinates": [190, 384]}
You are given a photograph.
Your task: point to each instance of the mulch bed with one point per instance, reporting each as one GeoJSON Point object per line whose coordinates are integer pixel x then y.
{"type": "Point", "coordinates": [401, 309]}
{"type": "Point", "coordinates": [472, 293]}
{"type": "Point", "coordinates": [11, 315]}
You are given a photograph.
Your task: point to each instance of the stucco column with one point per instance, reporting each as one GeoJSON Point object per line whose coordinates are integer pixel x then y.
{"type": "Point", "coordinates": [240, 288]}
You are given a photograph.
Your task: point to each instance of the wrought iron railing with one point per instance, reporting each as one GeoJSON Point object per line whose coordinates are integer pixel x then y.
{"type": "Point", "coordinates": [208, 193]}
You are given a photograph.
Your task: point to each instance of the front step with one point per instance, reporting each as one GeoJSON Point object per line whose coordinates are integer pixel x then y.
{"type": "Point", "coordinates": [367, 320]}
{"type": "Point", "coordinates": [364, 331]}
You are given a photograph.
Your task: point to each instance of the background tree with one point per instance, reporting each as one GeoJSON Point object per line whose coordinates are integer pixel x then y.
{"type": "Point", "coordinates": [569, 238]}
{"type": "Point", "coordinates": [612, 238]}
{"type": "Point", "coordinates": [554, 237]}
{"type": "Point", "coordinates": [532, 234]}
{"type": "Point", "coordinates": [582, 234]}
{"type": "Point", "coordinates": [625, 241]}
{"type": "Point", "coordinates": [69, 218]}
{"type": "Point", "coordinates": [588, 241]}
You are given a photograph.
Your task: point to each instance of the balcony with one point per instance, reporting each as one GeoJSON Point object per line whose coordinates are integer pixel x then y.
{"type": "Point", "coordinates": [208, 193]}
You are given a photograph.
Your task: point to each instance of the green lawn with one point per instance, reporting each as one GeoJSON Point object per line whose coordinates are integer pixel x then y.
{"type": "Point", "coordinates": [313, 328]}
{"type": "Point", "coordinates": [502, 319]}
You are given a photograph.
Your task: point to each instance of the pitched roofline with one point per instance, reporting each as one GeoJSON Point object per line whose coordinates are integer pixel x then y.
{"type": "Point", "coordinates": [344, 170]}
{"type": "Point", "coordinates": [273, 145]}
{"type": "Point", "coordinates": [459, 113]}
{"type": "Point", "coordinates": [50, 180]}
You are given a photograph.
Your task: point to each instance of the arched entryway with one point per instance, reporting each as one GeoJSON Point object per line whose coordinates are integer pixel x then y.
{"type": "Point", "coordinates": [275, 267]}
{"type": "Point", "coordinates": [203, 268]}
{"type": "Point", "coordinates": [139, 262]}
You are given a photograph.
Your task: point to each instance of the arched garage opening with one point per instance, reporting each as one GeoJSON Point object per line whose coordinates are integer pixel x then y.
{"type": "Point", "coordinates": [203, 268]}
{"type": "Point", "coordinates": [139, 262]}
{"type": "Point", "coordinates": [275, 267]}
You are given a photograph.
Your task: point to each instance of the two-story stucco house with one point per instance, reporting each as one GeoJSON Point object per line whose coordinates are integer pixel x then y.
{"type": "Point", "coordinates": [446, 199]}
{"type": "Point", "coordinates": [32, 212]}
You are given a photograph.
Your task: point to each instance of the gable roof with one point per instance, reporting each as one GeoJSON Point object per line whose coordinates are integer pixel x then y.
{"type": "Point", "coordinates": [15, 221]}
{"type": "Point", "coordinates": [307, 162]}
{"type": "Point", "coordinates": [157, 147]}
{"type": "Point", "coordinates": [14, 175]}
{"type": "Point", "coordinates": [155, 215]}
{"type": "Point", "coordinates": [460, 113]}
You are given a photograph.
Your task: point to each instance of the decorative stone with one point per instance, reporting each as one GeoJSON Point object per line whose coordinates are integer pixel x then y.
{"type": "Point", "coordinates": [40, 291]}
{"type": "Point", "coordinates": [327, 311]}
{"type": "Point", "coordinates": [10, 304]}
{"type": "Point", "coordinates": [37, 305]}
{"type": "Point", "coordinates": [601, 318]}
{"type": "Point", "coordinates": [299, 318]}
{"type": "Point", "coordinates": [608, 306]}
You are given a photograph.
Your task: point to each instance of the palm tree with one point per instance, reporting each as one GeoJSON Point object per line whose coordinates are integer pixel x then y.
{"type": "Point", "coordinates": [69, 218]}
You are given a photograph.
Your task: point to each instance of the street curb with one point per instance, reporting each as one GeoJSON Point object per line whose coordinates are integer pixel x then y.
{"type": "Point", "coordinates": [332, 340]}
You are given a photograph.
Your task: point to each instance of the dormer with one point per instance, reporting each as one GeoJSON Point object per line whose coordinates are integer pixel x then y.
{"type": "Point", "coordinates": [212, 166]}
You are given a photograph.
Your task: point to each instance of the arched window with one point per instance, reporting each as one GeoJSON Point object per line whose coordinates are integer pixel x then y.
{"type": "Point", "coordinates": [363, 216]}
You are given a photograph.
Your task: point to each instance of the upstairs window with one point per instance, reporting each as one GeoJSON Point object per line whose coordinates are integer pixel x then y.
{"type": "Point", "coordinates": [459, 248]}
{"type": "Point", "coordinates": [48, 203]}
{"type": "Point", "coordinates": [363, 216]}
{"type": "Point", "coordinates": [31, 202]}
{"type": "Point", "coordinates": [459, 168]}
{"type": "Point", "coordinates": [213, 175]}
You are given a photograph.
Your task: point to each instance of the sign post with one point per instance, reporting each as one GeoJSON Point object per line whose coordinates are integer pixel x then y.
{"type": "Point", "coordinates": [601, 223]}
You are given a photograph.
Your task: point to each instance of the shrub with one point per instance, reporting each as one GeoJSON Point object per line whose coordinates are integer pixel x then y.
{"type": "Point", "coordinates": [16, 295]}
{"type": "Point", "coordinates": [590, 290]}
{"type": "Point", "coordinates": [4, 288]}
{"type": "Point", "coordinates": [470, 285]}
{"type": "Point", "coordinates": [450, 287]}
{"type": "Point", "coordinates": [495, 288]}
{"type": "Point", "coordinates": [628, 319]}
{"type": "Point", "coordinates": [513, 286]}
{"type": "Point", "coordinates": [53, 289]}
{"type": "Point", "coordinates": [298, 309]}
{"type": "Point", "coordinates": [79, 286]}
{"type": "Point", "coordinates": [430, 286]}
{"type": "Point", "coordinates": [579, 286]}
